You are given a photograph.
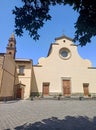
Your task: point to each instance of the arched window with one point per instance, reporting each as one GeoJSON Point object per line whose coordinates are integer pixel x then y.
{"type": "Point", "coordinates": [11, 45]}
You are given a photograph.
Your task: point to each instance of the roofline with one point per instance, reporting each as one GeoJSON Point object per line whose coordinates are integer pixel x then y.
{"type": "Point", "coordinates": [37, 65]}
{"type": "Point", "coordinates": [2, 54]}
{"type": "Point", "coordinates": [74, 45]}
{"type": "Point", "coordinates": [62, 37]}
{"type": "Point", "coordinates": [23, 60]}
{"type": "Point", "coordinates": [91, 67]}
{"type": "Point", "coordinates": [51, 48]}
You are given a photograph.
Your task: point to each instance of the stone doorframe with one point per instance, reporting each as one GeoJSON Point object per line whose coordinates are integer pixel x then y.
{"type": "Point", "coordinates": [45, 88]}
{"type": "Point", "coordinates": [19, 87]}
{"type": "Point", "coordinates": [65, 78]}
{"type": "Point", "coordinates": [86, 89]}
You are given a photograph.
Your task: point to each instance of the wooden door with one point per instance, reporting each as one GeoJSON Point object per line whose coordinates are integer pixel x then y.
{"type": "Point", "coordinates": [86, 89]}
{"type": "Point", "coordinates": [19, 92]}
{"type": "Point", "coordinates": [45, 88]}
{"type": "Point", "coordinates": [66, 88]}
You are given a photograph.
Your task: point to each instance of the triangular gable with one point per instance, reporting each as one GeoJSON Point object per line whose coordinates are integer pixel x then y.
{"type": "Point", "coordinates": [64, 37]}
{"type": "Point", "coordinates": [58, 38]}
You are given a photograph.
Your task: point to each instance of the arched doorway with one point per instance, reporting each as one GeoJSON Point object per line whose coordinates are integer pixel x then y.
{"type": "Point", "coordinates": [20, 91]}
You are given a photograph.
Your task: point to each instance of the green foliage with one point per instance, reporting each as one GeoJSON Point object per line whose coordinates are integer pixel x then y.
{"type": "Point", "coordinates": [38, 94]}
{"type": "Point", "coordinates": [60, 94]}
{"type": "Point", "coordinates": [30, 17]}
{"type": "Point", "coordinates": [86, 22]}
{"type": "Point", "coordinates": [34, 13]}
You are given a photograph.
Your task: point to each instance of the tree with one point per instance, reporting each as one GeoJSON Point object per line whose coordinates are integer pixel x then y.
{"type": "Point", "coordinates": [34, 13]}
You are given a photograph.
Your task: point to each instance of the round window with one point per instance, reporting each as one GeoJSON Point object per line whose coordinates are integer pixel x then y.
{"type": "Point", "coordinates": [65, 53]}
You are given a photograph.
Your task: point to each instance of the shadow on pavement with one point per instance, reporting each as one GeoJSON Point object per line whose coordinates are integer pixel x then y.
{"type": "Point", "coordinates": [9, 102]}
{"type": "Point", "coordinates": [68, 123]}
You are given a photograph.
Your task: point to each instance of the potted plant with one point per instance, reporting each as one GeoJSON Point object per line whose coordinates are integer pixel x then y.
{"type": "Point", "coordinates": [59, 96]}
{"type": "Point", "coordinates": [89, 95]}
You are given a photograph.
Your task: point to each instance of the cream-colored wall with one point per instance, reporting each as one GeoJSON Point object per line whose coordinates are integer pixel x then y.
{"type": "Point", "coordinates": [8, 73]}
{"type": "Point", "coordinates": [53, 69]}
{"type": "Point", "coordinates": [26, 78]}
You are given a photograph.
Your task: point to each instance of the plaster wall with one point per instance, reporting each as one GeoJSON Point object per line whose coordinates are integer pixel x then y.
{"type": "Point", "coordinates": [54, 69]}
{"type": "Point", "coordinates": [8, 77]}
{"type": "Point", "coordinates": [26, 78]}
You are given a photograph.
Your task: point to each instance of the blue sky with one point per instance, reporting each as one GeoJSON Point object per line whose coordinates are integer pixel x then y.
{"type": "Point", "coordinates": [63, 19]}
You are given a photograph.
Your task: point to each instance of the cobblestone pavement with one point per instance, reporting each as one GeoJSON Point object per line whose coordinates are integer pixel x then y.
{"type": "Point", "coordinates": [48, 115]}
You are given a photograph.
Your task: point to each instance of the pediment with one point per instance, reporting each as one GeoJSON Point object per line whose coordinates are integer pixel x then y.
{"type": "Point", "coordinates": [64, 52]}
{"type": "Point", "coordinates": [58, 42]}
{"type": "Point", "coordinates": [63, 37]}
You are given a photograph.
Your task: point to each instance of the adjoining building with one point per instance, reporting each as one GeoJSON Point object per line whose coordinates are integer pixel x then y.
{"type": "Point", "coordinates": [62, 72]}
{"type": "Point", "coordinates": [23, 81]}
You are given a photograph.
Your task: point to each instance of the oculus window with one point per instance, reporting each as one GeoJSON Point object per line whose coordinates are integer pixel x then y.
{"type": "Point", "coordinates": [65, 53]}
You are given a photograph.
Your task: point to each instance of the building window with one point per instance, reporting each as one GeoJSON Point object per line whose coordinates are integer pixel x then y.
{"type": "Point", "coordinates": [64, 41]}
{"type": "Point", "coordinates": [11, 45]}
{"type": "Point", "coordinates": [10, 53]}
{"type": "Point", "coordinates": [65, 53]}
{"type": "Point", "coordinates": [21, 70]}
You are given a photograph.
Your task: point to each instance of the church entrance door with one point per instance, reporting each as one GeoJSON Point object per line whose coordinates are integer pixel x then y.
{"type": "Point", "coordinates": [46, 89]}
{"type": "Point", "coordinates": [86, 89]}
{"type": "Point", "coordinates": [19, 92]}
{"type": "Point", "coordinates": [66, 87]}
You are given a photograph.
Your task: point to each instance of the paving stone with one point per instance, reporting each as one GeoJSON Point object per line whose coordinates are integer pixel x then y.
{"type": "Point", "coordinates": [48, 115]}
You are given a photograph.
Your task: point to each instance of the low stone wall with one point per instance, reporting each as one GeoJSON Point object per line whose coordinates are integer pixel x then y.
{"type": "Point", "coordinates": [6, 98]}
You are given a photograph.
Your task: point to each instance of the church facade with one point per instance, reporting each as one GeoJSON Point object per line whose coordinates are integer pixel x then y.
{"type": "Point", "coordinates": [62, 72]}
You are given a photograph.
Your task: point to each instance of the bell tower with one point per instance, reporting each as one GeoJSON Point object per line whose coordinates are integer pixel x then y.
{"type": "Point", "coordinates": [11, 47]}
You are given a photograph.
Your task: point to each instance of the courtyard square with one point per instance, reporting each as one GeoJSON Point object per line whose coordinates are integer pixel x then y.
{"type": "Point", "coordinates": [48, 115]}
